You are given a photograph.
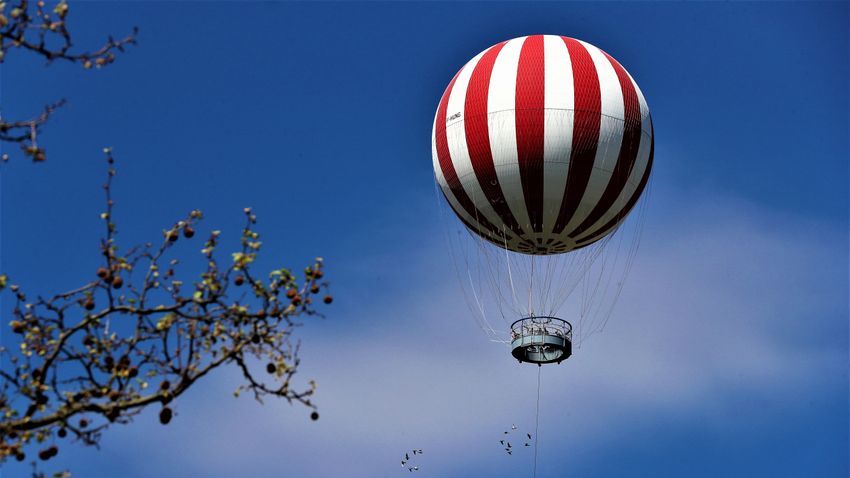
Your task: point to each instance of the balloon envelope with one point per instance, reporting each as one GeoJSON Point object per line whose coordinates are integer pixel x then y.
{"type": "Point", "coordinates": [542, 144]}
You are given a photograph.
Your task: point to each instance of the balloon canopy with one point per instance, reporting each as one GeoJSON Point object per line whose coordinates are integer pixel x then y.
{"type": "Point", "coordinates": [542, 144]}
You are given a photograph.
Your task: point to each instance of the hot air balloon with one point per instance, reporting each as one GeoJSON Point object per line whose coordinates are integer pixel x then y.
{"type": "Point", "coordinates": [541, 146]}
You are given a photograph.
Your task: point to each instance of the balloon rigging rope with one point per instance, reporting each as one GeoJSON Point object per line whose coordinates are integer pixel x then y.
{"type": "Point", "coordinates": [478, 302]}
{"type": "Point", "coordinates": [482, 321]}
{"type": "Point", "coordinates": [510, 275]}
{"type": "Point", "coordinates": [590, 280]}
{"type": "Point", "coordinates": [493, 273]}
{"type": "Point", "coordinates": [537, 421]}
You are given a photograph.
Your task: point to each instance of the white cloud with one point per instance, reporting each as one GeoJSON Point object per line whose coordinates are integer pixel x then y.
{"type": "Point", "coordinates": [724, 302]}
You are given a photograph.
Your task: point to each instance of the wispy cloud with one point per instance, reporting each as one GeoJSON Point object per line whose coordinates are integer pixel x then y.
{"type": "Point", "coordinates": [737, 304]}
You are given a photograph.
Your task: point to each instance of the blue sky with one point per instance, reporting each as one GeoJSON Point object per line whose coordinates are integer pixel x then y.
{"type": "Point", "coordinates": [726, 355]}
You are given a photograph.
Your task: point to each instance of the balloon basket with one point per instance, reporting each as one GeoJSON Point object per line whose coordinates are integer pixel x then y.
{"type": "Point", "coordinates": [541, 339]}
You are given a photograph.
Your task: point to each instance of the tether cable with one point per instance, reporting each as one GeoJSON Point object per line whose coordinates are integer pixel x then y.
{"type": "Point", "coordinates": [537, 421]}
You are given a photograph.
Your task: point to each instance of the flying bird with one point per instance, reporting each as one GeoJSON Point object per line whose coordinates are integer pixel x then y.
{"type": "Point", "coordinates": [513, 427]}
{"type": "Point", "coordinates": [529, 435]}
{"type": "Point", "coordinates": [405, 462]}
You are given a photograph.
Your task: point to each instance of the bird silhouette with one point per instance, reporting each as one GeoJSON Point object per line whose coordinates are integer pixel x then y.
{"type": "Point", "coordinates": [406, 461]}
{"type": "Point", "coordinates": [529, 435]}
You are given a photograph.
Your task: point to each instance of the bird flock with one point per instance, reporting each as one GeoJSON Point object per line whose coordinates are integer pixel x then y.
{"type": "Point", "coordinates": [506, 440]}
{"type": "Point", "coordinates": [408, 460]}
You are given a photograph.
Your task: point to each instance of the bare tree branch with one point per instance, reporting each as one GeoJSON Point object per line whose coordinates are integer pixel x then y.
{"type": "Point", "coordinates": [44, 31]}
{"type": "Point", "coordinates": [26, 132]}
{"type": "Point", "coordinates": [100, 354]}
{"type": "Point", "coordinates": [35, 28]}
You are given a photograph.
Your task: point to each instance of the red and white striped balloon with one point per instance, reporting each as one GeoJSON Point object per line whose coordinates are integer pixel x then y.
{"type": "Point", "coordinates": [542, 144]}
